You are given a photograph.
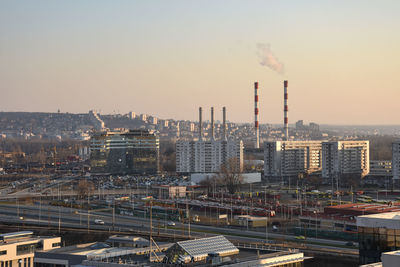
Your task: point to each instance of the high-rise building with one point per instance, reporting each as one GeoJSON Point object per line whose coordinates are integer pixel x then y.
{"type": "Point", "coordinates": [289, 158]}
{"type": "Point", "coordinates": [299, 125]}
{"type": "Point", "coordinates": [126, 152]}
{"type": "Point", "coordinates": [396, 160]}
{"type": "Point", "coordinates": [207, 156]}
{"type": "Point", "coordinates": [345, 157]}
{"type": "Point", "coordinates": [131, 115]}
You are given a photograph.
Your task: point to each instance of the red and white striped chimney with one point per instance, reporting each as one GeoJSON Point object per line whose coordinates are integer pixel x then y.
{"type": "Point", "coordinates": [224, 123]}
{"type": "Point", "coordinates": [212, 123]}
{"type": "Point", "coordinates": [200, 123]}
{"type": "Point", "coordinates": [256, 124]}
{"type": "Point", "coordinates": [286, 110]}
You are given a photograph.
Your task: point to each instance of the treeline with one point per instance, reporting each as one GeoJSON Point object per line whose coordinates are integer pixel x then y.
{"type": "Point", "coordinates": [380, 147]}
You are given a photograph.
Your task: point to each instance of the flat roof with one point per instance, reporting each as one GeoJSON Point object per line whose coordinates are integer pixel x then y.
{"type": "Point", "coordinates": [389, 220]}
{"type": "Point", "coordinates": [202, 247]}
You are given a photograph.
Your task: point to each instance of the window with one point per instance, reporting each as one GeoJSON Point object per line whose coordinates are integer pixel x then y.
{"type": "Point", "coordinates": [56, 245]}
{"type": "Point", "coordinates": [26, 249]}
{"type": "Point", "coordinates": [3, 252]}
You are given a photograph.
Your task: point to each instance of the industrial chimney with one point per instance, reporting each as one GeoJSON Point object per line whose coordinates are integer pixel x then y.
{"type": "Point", "coordinates": [286, 109]}
{"type": "Point", "coordinates": [256, 126]}
{"type": "Point", "coordinates": [212, 123]}
{"type": "Point", "coordinates": [224, 123]}
{"type": "Point", "coordinates": [200, 124]}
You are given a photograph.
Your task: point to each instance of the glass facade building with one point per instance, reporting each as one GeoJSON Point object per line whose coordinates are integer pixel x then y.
{"type": "Point", "coordinates": [129, 152]}
{"type": "Point", "coordinates": [378, 233]}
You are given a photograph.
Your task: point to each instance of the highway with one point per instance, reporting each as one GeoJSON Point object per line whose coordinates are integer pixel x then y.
{"type": "Point", "coordinates": [67, 217]}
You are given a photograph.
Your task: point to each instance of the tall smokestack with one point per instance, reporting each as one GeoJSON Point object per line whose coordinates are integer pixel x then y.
{"type": "Point", "coordinates": [256, 125]}
{"type": "Point", "coordinates": [224, 123]}
{"type": "Point", "coordinates": [200, 123]}
{"type": "Point", "coordinates": [286, 110]}
{"type": "Point", "coordinates": [212, 123]}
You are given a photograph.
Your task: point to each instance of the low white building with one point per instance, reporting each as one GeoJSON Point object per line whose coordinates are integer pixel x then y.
{"type": "Point", "coordinates": [248, 178]}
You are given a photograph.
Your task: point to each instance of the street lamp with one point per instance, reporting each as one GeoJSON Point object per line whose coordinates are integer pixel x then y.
{"type": "Point", "coordinates": [316, 214]}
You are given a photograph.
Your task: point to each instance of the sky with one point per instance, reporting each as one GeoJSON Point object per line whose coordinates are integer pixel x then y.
{"type": "Point", "coordinates": [169, 57]}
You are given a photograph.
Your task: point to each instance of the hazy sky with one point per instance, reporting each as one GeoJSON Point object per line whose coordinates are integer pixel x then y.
{"type": "Point", "coordinates": [167, 58]}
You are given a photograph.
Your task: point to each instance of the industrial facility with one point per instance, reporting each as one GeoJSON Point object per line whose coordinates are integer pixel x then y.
{"type": "Point", "coordinates": [208, 155]}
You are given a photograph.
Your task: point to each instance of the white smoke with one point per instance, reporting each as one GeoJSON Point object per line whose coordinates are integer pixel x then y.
{"type": "Point", "coordinates": [267, 58]}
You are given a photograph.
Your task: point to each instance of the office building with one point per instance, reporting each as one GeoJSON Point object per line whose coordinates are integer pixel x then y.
{"type": "Point", "coordinates": [18, 248]}
{"type": "Point", "coordinates": [396, 160]}
{"type": "Point", "coordinates": [378, 233]}
{"type": "Point", "coordinates": [289, 158]}
{"type": "Point", "coordinates": [345, 158]}
{"type": "Point", "coordinates": [125, 152]}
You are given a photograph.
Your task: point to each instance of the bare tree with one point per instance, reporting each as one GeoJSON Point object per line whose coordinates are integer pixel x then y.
{"type": "Point", "coordinates": [84, 188]}
{"type": "Point", "coordinates": [209, 183]}
{"type": "Point", "coordinates": [230, 175]}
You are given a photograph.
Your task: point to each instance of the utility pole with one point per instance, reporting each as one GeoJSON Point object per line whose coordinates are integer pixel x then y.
{"type": "Point", "coordinates": [88, 216]}
{"type": "Point", "coordinates": [188, 215]}
{"type": "Point", "coordinates": [40, 207]}
{"type": "Point", "coordinates": [151, 229]}
{"type": "Point", "coordinates": [59, 218]}
{"type": "Point", "coordinates": [113, 217]}
{"type": "Point", "coordinates": [266, 225]}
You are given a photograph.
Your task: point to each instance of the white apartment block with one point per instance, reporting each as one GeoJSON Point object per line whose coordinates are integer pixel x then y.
{"type": "Point", "coordinates": [380, 168]}
{"type": "Point", "coordinates": [207, 156]}
{"type": "Point", "coordinates": [396, 160]}
{"type": "Point", "coordinates": [289, 158]}
{"type": "Point", "coordinates": [18, 249]}
{"type": "Point", "coordinates": [345, 157]}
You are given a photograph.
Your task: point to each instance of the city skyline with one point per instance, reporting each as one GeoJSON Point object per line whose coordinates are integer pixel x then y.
{"type": "Point", "coordinates": [168, 58]}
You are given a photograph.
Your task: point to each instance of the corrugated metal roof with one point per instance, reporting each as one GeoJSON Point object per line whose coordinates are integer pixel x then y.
{"type": "Point", "coordinates": [200, 248]}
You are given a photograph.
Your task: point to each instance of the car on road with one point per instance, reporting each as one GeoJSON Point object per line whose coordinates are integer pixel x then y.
{"type": "Point", "coordinates": [350, 244]}
{"type": "Point", "coordinates": [171, 224]}
{"type": "Point", "coordinates": [300, 237]}
{"type": "Point", "coordinates": [98, 221]}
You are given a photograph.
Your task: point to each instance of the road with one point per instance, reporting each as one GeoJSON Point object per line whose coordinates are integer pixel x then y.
{"type": "Point", "coordinates": [67, 217]}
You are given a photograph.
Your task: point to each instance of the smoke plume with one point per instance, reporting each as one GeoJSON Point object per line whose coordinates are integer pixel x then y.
{"type": "Point", "coordinates": [267, 58]}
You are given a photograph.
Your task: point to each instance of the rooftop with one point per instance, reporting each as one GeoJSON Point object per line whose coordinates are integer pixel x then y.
{"type": "Point", "coordinates": [202, 247]}
{"type": "Point", "coordinates": [389, 220]}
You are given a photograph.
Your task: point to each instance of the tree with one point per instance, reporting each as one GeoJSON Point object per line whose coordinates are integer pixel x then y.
{"type": "Point", "coordinates": [230, 175]}
{"type": "Point", "coordinates": [208, 183]}
{"type": "Point", "coordinates": [84, 188]}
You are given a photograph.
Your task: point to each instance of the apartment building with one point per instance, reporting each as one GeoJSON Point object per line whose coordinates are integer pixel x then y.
{"type": "Point", "coordinates": [396, 160]}
{"type": "Point", "coordinates": [289, 158]}
{"type": "Point", "coordinates": [345, 157]}
{"type": "Point", "coordinates": [17, 249]}
{"type": "Point", "coordinates": [207, 156]}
